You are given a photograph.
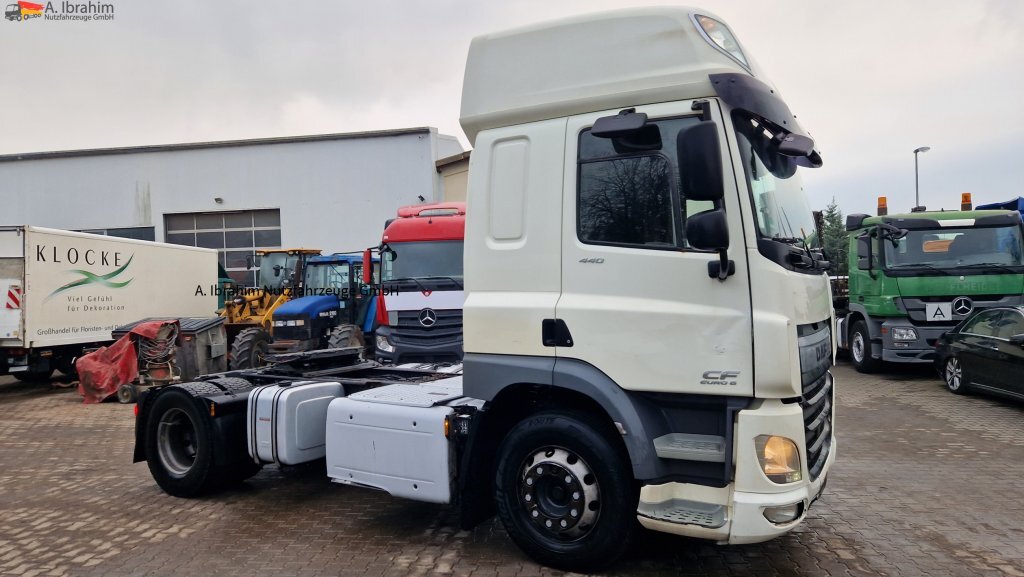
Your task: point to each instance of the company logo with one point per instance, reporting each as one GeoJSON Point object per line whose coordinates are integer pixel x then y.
{"type": "Point", "coordinates": [428, 317]}
{"type": "Point", "coordinates": [719, 377]}
{"type": "Point", "coordinates": [962, 306]}
{"type": "Point", "coordinates": [108, 280]}
{"type": "Point", "coordinates": [84, 11]}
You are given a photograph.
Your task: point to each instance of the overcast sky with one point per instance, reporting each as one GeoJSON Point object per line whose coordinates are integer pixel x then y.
{"type": "Point", "coordinates": [870, 80]}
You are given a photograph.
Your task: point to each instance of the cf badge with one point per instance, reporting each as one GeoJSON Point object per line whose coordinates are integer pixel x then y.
{"type": "Point", "coordinates": [720, 377]}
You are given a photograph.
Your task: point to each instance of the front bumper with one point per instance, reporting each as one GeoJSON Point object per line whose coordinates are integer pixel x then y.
{"type": "Point", "coordinates": [745, 520]}
{"type": "Point", "coordinates": [739, 508]}
{"type": "Point", "coordinates": [921, 350]}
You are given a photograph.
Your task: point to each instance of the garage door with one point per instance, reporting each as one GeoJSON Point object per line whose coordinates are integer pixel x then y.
{"type": "Point", "coordinates": [235, 234]}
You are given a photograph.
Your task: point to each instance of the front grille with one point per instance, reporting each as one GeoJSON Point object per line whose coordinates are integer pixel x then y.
{"type": "Point", "coordinates": [916, 307]}
{"type": "Point", "coordinates": [815, 345]}
{"type": "Point", "coordinates": [817, 406]}
{"type": "Point", "coordinates": [447, 329]}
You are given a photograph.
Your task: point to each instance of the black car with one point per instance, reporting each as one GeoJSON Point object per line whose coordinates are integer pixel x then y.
{"type": "Point", "coordinates": [985, 352]}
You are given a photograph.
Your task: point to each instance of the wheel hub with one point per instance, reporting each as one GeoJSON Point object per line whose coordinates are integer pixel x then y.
{"type": "Point", "coordinates": [559, 493]}
{"type": "Point", "coordinates": [176, 442]}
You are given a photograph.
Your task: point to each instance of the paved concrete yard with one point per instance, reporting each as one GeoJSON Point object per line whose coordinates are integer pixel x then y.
{"type": "Point", "coordinates": [927, 483]}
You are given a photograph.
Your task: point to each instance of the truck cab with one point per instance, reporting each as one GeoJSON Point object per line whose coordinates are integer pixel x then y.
{"type": "Point", "coordinates": [13, 12]}
{"type": "Point", "coordinates": [419, 308]}
{"type": "Point", "coordinates": [915, 276]}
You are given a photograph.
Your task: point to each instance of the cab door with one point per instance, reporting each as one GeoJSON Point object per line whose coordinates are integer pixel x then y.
{"type": "Point", "coordinates": [637, 300]}
{"type": "Point", "coordinates": [1009, 360]}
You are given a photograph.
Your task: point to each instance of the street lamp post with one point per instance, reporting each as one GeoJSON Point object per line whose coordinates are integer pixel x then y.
{"type": "Point", "coordinates": [917, 189]}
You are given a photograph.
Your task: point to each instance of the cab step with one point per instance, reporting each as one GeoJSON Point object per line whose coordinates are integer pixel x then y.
{"type": "Point", "coordinates": [685, 512]}
{"type": "Point", "coordinates": [691, 447]}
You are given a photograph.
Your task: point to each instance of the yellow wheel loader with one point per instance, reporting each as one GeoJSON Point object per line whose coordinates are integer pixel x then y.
{"type": "Point", "coordinates": [247, 316]}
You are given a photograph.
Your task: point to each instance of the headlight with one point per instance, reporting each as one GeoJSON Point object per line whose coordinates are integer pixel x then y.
{"type": "Point", "coordinates": [384, 345]}
{"type": "Point", "coordinates": [903, 334]}
{"type": "Point", "coordinates": [278, 323]}
{"type": "Point", "coordinates": [300, 322]}
{"type": "Point", "coordinates": [779, 458]}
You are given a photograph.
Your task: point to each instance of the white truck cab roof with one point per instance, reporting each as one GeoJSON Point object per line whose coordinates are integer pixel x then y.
{"type": "Point", "coordinates": [596, 62]}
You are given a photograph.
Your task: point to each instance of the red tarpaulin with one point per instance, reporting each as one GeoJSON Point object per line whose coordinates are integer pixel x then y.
{"type": "Point", "coordinates": [101, 372]}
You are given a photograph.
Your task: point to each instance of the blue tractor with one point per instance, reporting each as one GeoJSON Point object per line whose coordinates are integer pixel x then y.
{"type": "Point", "coordinates": [331, 312]}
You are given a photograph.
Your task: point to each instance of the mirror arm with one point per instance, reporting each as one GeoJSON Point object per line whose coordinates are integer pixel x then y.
{"type": "Point", "coordinates": [722, 268]}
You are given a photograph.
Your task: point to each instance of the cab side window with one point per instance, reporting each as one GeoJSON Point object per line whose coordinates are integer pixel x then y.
{"type": "Point", "coordinates": [628, 188]}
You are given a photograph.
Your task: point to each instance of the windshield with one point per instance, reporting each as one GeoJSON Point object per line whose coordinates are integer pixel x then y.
{"type": "Point", "coordinates": [424, 260]}
{"type": "Point", "coordinates": [276, 269]}
{"type": "Point", "coordinates": [324, 275]}
{"type": "Point", "coordinates": [956, 247]}
{"type": "Point", "coordinates": [779, 201]}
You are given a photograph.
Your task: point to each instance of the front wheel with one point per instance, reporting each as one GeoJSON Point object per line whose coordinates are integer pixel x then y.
{"type": "Point", "coordinates": [860, 349]}
{"type": "Point", "coordinates": [565, 492]}
{"type": "Point", "coordinates": [954, 375]}
{"type": "Point", "coordinates": [249, 350]}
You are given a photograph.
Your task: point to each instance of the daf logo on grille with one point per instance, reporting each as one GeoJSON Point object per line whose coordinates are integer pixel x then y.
{"type": "Point", "coordinates": [961, 306]}
{"type": "Point", "coordinates": [428, 317]}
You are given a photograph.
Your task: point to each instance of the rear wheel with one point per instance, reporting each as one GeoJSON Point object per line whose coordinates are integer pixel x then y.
{"type": "Point", "coordinates": [565, 492]}
{"type": "Point", "coordinates": [954, 375]}
{"type": "Point", "coordinates": [249, 350]}
{"type": "Point", "coordinates": [860, 349]}
{"type": "Point", "coordinates": [179, 446]}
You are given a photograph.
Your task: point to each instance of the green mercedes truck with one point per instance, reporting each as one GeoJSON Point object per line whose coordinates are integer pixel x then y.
{"type": "Point", "coordinates": [915, 276]}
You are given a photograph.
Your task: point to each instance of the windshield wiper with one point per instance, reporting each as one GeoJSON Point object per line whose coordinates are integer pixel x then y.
{"type": "Point", "coordinates": [454, 281]}
{"type": "Point", "coordinates": [1002, 267]}
{"type": "Point", "coordinates": [920, 265]}
{"type": "Point", "coordinates": [409, 278]}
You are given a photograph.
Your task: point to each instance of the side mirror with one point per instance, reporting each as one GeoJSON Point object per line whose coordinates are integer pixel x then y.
{"type": "Point", "coordinates": [793, 145]}
{"type": "Point", "coordinates": [1017, 340]}
{"type": "Point", "coordinates": [367, 267]}
{"type": "Point", "coordinates": [700, 162]}
{"type": "Point", "coordinates": [708, 230]}
{"type": "Point", "coordinates": [864, 252]}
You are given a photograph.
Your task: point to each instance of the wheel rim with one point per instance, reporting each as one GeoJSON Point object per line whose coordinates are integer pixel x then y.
{"type": "Point", "coordinates": [559, 494]}
{"type": "Point", "coordinates": [954, 374]}
{"type": "Point", "coordinates": [857, 347]}
{"type": "Point", "coordinates": [176, 442]}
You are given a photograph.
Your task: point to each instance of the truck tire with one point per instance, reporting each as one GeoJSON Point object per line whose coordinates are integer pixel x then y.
{"type": "Point", "coordinates": [344, 336]}
{"type": "Point", "coordinates": [179, 445]}
{"type": "Point", "coordinates": [565, 492]}
{"type": "Point", "coordinates": [249, 349]}
{"type": "Point", "coordinates": [860, 349]}
{"type": "Point", "coordinates": [33, 376]}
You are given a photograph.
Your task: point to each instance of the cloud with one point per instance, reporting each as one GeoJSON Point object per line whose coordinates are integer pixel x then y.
{"type": "Point", "coordinates": [871, 80]}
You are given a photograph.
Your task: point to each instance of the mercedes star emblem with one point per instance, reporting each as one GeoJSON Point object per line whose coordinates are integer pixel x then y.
{"type": "Point", "coordinates": [961, 306]}
{"type": "Point", "coordinates": [428, 317]}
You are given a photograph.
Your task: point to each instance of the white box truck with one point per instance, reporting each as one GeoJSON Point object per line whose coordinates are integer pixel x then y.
{"type": "Point", "coordinates": [647, 328]}
{"type": "Point", "coordinates": [65, 291]}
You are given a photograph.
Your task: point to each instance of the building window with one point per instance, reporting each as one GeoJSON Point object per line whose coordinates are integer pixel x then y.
{"type": "Point", "coordinates": [236, 235]}
{"type": "Point", "coordinates": [136, 232]}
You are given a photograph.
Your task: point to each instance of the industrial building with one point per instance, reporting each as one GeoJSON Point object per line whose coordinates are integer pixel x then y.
{"type": "Point", "coordinates": [329, 191]}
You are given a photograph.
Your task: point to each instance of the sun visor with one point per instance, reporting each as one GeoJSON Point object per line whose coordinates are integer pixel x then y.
{"type": "Point", "coordinates": [744, 92]}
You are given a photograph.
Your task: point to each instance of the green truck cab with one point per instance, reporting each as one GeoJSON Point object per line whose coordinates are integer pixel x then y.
{"type": "Point", "coordinates": [915, 276]}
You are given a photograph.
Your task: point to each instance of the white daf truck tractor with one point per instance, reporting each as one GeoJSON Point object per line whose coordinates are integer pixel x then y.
{"type": "Point", "coordinates": [647, 328]}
